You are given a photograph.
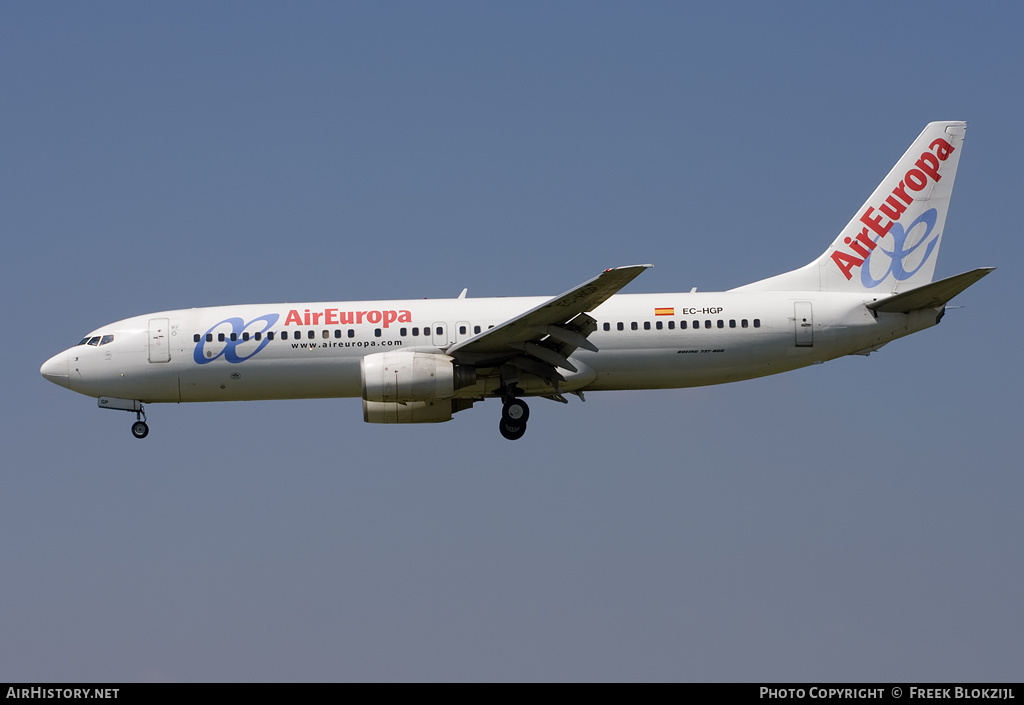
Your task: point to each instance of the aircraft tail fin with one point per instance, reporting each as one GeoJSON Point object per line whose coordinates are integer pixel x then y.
{"type": "Point", "coordinates": [892, 242]}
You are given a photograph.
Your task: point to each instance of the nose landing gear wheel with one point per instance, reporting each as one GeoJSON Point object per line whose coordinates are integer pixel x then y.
{"type": "Point", "coordinates": [511, 431]}
{"type": "Point", "coordinates": [140, 429]}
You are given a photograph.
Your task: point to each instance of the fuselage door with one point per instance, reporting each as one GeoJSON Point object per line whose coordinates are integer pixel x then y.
{"type": "Point", "coordinates": [439, 333]}
{"type": "Point", "coordinates": [803, 322]}
{"type": "Point", "coordinates": [159, 340]}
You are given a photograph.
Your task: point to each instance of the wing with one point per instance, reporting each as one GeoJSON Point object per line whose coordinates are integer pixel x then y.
{"type": "Point", "coordinates": [543, 338]}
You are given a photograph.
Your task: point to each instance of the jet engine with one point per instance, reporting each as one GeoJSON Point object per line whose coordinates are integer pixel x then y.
{"type": "Point", "coordinates": [434, 411]}
{"type": "Point", "coordinates": [401, 376]}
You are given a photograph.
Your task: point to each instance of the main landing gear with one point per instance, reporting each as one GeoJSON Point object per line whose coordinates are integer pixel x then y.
{"type": "Point", "coordinates": [514, 415]}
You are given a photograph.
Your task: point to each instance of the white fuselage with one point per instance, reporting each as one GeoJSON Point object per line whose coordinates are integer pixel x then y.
{"type": "Point", "coordinates": [644, 341]}
{"type": "Point", "coordinates": [421, 361]}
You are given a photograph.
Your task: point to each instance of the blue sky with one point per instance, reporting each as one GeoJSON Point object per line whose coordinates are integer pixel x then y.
{"type": "Point", "coordinates": [856, 521]}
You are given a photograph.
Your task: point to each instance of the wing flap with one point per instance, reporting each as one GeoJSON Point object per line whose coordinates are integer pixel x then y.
{"type": "Point", "coordinates": [567, 336]}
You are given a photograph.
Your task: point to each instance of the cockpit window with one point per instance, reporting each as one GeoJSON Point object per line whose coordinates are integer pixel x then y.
{"type": "Point", "coordinates": [106, 339]}
{"type": "Point", "coordinates": [84, 340]}
{"type": "Point", "coordinates": [95, 340]}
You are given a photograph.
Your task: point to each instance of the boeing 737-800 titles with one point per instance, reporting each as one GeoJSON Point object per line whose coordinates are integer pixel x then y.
{"type": "Point", "coordinates": [421, 361]}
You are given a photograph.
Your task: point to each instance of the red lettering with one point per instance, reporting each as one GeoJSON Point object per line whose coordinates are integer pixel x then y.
{"type": "Point", "coordinates": [857, 247]}
{"type": "Point", "coordinates": [892, 208]}
{"type": "Point", "coordinates": [875, 223]}
{"type": "Point", "coordinates": [846, 262]}
{"type": "Point", "coordinates": [901, 191]}
{"type": "Point", "coordinates": [929, 164]}
{"type": "Point", "coordinates": [333, 317]}
{"type": "Point", "coordinates": [942, 148]}
{"type": "Point", "coordinates": [916, 179]}
{"type": "Point", "coordinates": [863, 237]}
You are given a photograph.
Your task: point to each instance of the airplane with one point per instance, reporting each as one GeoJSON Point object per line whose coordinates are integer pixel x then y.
{"type": "Point", "coordinates": [422, 361]}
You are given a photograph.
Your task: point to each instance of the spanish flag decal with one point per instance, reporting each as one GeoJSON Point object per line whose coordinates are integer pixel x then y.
{"type": "Point", "coordinates": [664, 312]}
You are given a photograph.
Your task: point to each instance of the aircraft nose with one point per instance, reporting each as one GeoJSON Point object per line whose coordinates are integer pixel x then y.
{"type": "Point", "coordinates": [56, 369]}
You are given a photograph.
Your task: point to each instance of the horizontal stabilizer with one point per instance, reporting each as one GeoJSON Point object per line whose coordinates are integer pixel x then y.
{"type": "Point", "coordinates": [930, 295]}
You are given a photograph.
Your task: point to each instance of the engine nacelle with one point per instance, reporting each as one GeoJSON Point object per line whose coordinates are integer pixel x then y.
{"type": "Point", "coordinates": [433, 411]}
{"type": "Point", "coordinates": [412, 377]}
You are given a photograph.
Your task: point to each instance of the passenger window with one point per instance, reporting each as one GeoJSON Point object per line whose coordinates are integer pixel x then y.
{"type": "Point", "coordinates": [376, 332]}
{"type": "Point", "coordinates": [245, 336]}
{"type": "Point", "coordinates": [351, 333]}
{"type": "Point", "coordinates": [439, 330]}
{"type": "Point", "coordinates": [647, 325]}
{"type": "Point", "coordinates": [682, 325]}
{"type": "Point", "coordinates": [607, 326]}
{"type": "Point", "coordinates": [415, 332]}
{"type": "Point", "coordinates": [672, 325]}
{"type": "Point", "coordinates": [757, 323]}
{"type": "Point", "coordinates": [657, 325]}
{"type": "Point", "coordinates": [326, 334]}
{"type": "Point", "coordinates": [234, 337]}
{"type": "Point", "coordinates": [743, 323]}
{"type": "Point", "coordinates": [732, 323]}
{"type": "Point", "coordinates": [462, 330]}
{"type": "Point", "coordinates": [721, 323]}
{"type": "Point", "coordinates": [619, 326]}
{"type": "Point", "coordinates": [707, 323]}
{"type": "Point", "coordinates": [476, 330]}
{"type": "Point", "coordinates": [258, 335]}
{"type": "Point", "coordinates": [270, 335]}
{"type": "Point", "coordinates": [195, 338]}
{"type": "Point", "coordinates": [209, 337]}
{"type": "Point", "coordinates": [696, 325]}
{"type": "Point", "coordinates": [284, 335]}
{"type": "Point", "coordinates": [220, 338]}
{"type": "Point", "coordinates": [402, 332]}
{"type": "Point", "coordinates": [633, 325]}
{"type": "Point", "coordinates": [337, 332]}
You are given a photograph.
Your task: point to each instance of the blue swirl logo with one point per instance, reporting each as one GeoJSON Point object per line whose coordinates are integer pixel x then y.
{"type": "Point", "coordinates": [900, 251]}
{"type": "Point", "coordinates": [234, 339]}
